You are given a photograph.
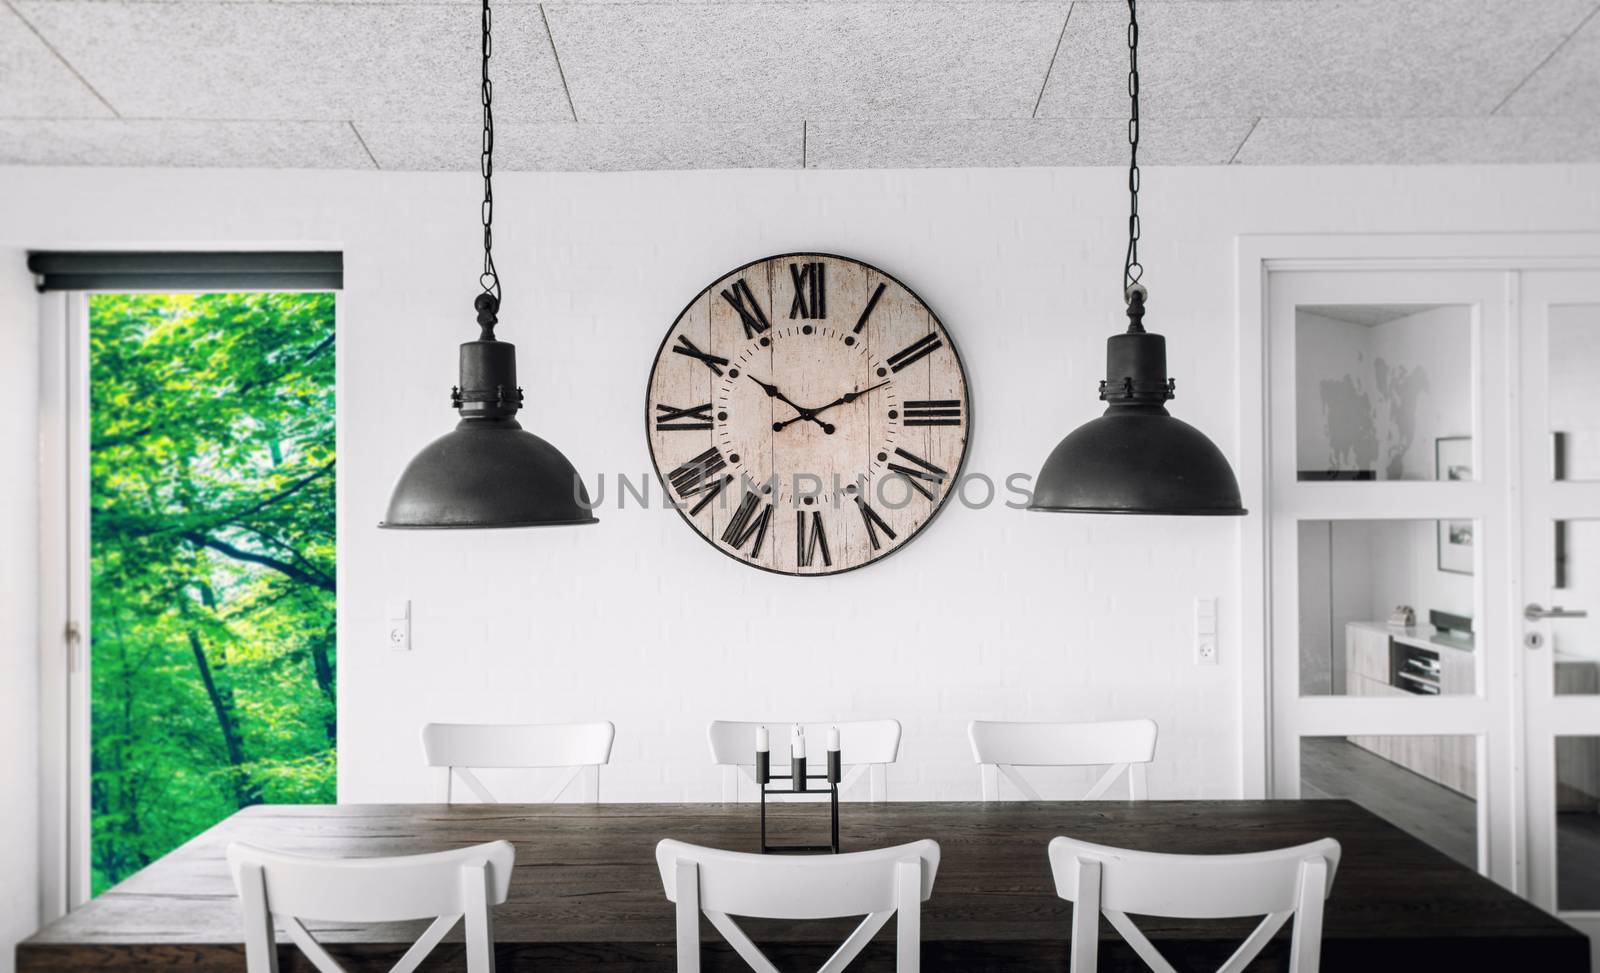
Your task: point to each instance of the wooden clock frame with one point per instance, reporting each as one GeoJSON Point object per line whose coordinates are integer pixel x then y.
{"type": "Point", "coordinates": [732, 291]}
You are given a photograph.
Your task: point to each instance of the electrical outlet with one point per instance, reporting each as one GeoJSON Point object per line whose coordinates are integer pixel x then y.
{"type": "Point", "coordinates": [1205, 631]}
{"type": "Point", "coordinates": [398, 625]}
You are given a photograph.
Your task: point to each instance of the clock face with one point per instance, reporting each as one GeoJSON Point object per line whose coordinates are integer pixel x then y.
{"type": "Point", "coordinates": [808, 414]}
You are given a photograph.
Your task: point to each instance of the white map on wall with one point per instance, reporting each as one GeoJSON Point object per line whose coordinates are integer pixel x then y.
{"type": "Point", "coordinates": [1372, 398]}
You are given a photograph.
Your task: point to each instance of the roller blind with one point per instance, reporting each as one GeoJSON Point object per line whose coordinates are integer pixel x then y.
{"type": "Point", "coordinates": [202, 270]}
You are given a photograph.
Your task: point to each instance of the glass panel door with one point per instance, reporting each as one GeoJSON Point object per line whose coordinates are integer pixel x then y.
{"type": "Point", "coordinates": [1389, 526]}
{"type": "Point", "coordinates": [1560, 596]}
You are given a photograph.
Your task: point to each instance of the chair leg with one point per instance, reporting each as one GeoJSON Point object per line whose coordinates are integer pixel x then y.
{"type": "Point", "coordinates": [990, 776]}
{"type": "Point", "coordinates": [1138, 788]}
{"type": "Point", "coordinates": [688, 917]}
{"type": "Point", "coordinates": [1305, 949]}
{"type": "Point", "coordinates": [480, 922]}
{"type": "Point", "coordinates": [908, 924]}
{"type": "Point", "coordinates": [1086, 918]}
{"type": "Point", "coordinates": [260, 947]}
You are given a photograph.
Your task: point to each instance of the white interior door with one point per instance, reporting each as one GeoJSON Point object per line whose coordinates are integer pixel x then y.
{"type": "Point", "coordinates": [1560, 589]}
{"type": "Point", "coordinates": [1389, 468]}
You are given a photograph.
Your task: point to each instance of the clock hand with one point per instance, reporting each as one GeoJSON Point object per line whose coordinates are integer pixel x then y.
{"type": "Point", "coordinates": [845, 399]}
{"type": "Point", "coordinates": [804, 413]}
{"type": "Point", "coordinates": [852, 396]}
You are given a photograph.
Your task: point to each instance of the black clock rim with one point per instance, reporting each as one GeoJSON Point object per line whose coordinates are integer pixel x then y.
{"type": "Point", "coordinates": [966, 440]}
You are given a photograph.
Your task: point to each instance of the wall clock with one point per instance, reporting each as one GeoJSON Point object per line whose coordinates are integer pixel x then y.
{"type": "Point", "coordinates": [808, 414]}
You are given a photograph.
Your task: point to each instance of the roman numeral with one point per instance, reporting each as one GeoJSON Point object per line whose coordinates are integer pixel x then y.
{"type": "Point", "coordinates": [916, 477]}
{"type": "Point", "coordinates": [806, 548]}
{"type": "Point", "coordinates": [699, 476]}
{"type": "Point", "coordinates": [672, 418]}
{"type": "Point", "coordinates": [746, 523]}
{"type": "Point", "coordinates": [686, 347]}
{"type": "Point", "coordinates": [866, 312]}
{"type": "Point", "coordinates": [810, 291]}
{"type": "Point", "coordinates": [933, 412]}
{"type": "Point", "coordinates": [750, 313]}
{"type": "Point", "coordinates": [874, 522]}
{"type": "Point", "coordinates": [916, 351]}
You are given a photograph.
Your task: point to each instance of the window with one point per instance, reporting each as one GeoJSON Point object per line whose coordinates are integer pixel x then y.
{"type": "Point", "coordinates": [190, 420]}
{"type": "Point", "coordinates": [212, 636]}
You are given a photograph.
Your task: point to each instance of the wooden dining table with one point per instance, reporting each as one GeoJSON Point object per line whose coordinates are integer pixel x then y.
{"type": "Point", "coordinates": [586, 894]}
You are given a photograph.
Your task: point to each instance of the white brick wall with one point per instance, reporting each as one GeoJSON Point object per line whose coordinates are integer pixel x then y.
{"type": "Point", "coordinates": [992, 613]}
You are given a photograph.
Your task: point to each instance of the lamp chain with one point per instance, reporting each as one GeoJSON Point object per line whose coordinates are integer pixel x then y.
{"type": "Point", "coordinates": [488, 303]}
{"type": "Point", "coordinates": [1132, 270]}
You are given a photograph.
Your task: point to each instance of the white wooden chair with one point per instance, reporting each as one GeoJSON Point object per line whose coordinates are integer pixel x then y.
{"type": "Point", "coordinates": [877, 884]}
{"type": "Point", "coordinates": [446, 886]}
{"type": "Point", "coordinates": [1000, 748]}
{"type": "Point", "coordinates": [868, 747]}
{"type": "Point", "coordinates": [579, 748]}
{"type": "Point", "coordinates": [1287, 882]}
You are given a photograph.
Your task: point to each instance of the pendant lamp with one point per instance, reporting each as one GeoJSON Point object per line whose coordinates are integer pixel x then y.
{"type": "Point", "coordinates": [488, 471]}
{"type": "Point", "coordinates": [1136, 458]}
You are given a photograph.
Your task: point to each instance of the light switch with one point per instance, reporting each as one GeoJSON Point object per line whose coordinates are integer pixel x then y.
{"type": "Point", "coordinates": [398, 625]}
{"type": "Point", "coordinates": [1205, 631]}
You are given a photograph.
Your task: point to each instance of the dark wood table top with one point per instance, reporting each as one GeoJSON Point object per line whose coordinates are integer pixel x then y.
{"type": "Point", "coordinates": [586, 893]}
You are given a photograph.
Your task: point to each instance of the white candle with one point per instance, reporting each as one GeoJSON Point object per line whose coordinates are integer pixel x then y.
{"type": "Point", "coordinates": [763, 742]}
{"type": "Point", "coordinates": [833, 738]}
{"type": "Point", "coordinates": [797, 743]}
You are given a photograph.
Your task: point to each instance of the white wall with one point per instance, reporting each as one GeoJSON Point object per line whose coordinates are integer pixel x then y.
{"type": "Point", "coordinates": [19, 603]}
{"type": "Point", "coordinates": [992, 613]}
{"type": "Point", "coordinates": [1321, 667]}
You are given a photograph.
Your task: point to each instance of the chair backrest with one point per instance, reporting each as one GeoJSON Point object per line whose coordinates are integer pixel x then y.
{"type": "Point", "coordinates": [1278, 884]}
{"type": "Point", "coordinates": [1124, 745]}
{"type": "Point", "coordinates": [446, 886]}
{"type": "Point", "coordinates": [579, 748]}
{"type": "Point", "coordinates": [875, 883]}
{"type": "Point", "coordinates": [867, 747]}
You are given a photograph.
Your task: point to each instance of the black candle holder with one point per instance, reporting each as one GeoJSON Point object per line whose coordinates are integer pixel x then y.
{"type": "Point", "coordinates": [798, 778]}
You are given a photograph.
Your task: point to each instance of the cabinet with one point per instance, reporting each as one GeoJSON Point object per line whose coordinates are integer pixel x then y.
{"type": "Point", "coordinates": [1380, 661]}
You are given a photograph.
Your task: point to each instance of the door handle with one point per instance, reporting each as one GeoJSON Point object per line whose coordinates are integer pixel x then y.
{"type": "Point", "coordinates": [1534, 613]}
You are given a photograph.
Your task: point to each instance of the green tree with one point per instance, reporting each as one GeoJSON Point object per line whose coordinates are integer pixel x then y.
{"type": "Point", "coordinates": [212, 563]}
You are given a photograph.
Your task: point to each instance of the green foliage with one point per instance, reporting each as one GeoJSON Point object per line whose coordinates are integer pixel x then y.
{"type": "Point", "coordinates": [212, 563]}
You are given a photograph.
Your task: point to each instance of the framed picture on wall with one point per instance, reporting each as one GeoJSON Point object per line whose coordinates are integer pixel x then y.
{"type": "Point", "coordinates": [1452, 460]}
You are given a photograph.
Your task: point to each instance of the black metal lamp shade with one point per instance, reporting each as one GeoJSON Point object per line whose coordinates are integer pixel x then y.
{"type": "Point", "coordinates": [488, 472]}
{"type": "Point", "coordinates": [1137, 458]}
{"type": "Point", "coordinates": [1137, 462]}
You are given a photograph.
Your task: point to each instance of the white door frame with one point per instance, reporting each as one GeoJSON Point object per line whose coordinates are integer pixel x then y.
{"type": "Point", "coordinates": [1257, 257]}
{"type": "Point", "coordinates": [63, 601]}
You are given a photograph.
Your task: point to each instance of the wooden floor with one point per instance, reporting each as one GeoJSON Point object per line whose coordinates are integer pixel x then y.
{"type": "Point", "coordinates": [586, 895]}
{"type": "Point", "coordinates": [1335, 767]}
